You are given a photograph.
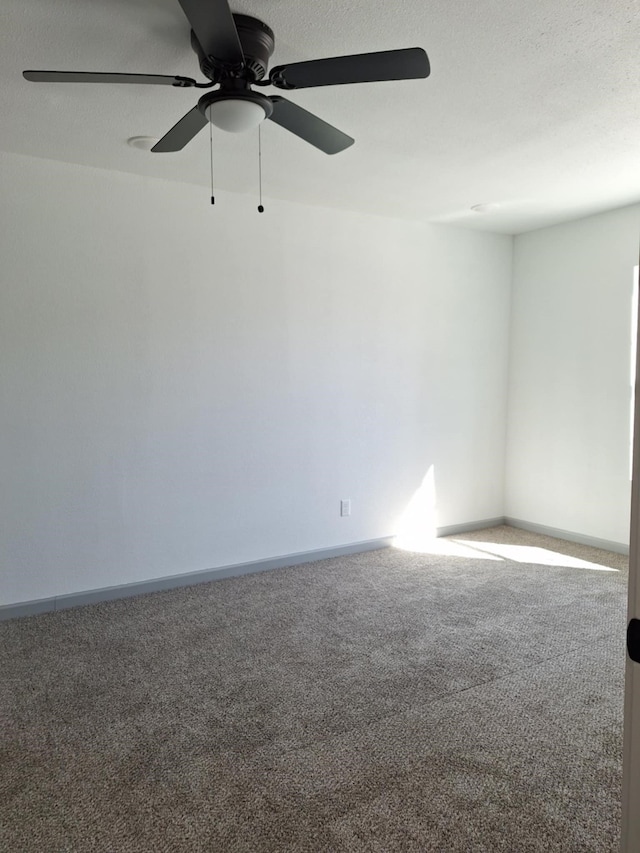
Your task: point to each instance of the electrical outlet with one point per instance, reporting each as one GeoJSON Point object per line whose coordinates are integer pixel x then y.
{"type": "Point", "coordinates": [345, 507]}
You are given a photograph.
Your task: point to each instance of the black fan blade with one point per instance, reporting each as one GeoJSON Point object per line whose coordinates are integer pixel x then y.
{"type": "Point", "coordinates": [408, 64]}
{"type": "Point", "coordinates": [308, 126]}
{"type": "Point", "coordinates": [215, 29]}
{"type": "Point", "coordinates": [98, 77]}
{"type": "Point", "coordinates": [181, 133]}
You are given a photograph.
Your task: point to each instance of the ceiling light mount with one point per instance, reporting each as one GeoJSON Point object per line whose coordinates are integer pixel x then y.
{"type": "Point", "coordinates": [142, 143]}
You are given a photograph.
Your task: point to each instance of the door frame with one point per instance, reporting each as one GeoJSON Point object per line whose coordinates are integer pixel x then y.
{"type": "Point", "coordinates": [630, 841]}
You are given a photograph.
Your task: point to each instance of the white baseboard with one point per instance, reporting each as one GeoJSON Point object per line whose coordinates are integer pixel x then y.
{"type": "Point", "coordinates": [93, 596]}
{"type": "Point", "coordinates": [453, 529]}
{"type": "Point", "coordinates": [569, 535]}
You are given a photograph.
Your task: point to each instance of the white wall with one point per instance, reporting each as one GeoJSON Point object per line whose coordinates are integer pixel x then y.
{"type": "Point", "coordinates": [184, 387]}
{"type": "Point", "coordinates": [568, 442]}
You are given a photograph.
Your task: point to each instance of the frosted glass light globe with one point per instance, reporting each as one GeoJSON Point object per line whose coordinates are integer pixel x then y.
{"type": "Point", "coordinates": [235, 115]}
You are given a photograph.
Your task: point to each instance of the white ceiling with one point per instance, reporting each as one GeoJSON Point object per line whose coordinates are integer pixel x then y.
{"type": "Point", "coordinates": [531, 106]}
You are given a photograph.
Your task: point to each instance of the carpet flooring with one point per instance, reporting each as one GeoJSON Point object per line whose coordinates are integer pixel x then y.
{"type": "Point", "coordinates": [468, 700]}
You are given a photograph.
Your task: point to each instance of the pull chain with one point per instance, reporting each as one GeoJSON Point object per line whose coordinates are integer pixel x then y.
{"type": "Point", "coordinates": [260, 207]}
{"type": "Point", "coordinates": [213, 201]}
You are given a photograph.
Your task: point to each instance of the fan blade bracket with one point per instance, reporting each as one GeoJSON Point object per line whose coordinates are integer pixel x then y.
{"type": "Point", "coordinates": [277, 78]}
{"type": "Point", "coordinates": [184, 82]}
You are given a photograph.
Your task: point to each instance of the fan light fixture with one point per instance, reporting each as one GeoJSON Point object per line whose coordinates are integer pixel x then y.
{"type": "Point", "coordinates": [235, 115]}
{"type": "Point", "coordinates": [236, 110]}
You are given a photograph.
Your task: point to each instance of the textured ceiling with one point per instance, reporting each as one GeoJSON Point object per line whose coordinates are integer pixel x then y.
{"type": "Point", "coordinates": [531, 107]}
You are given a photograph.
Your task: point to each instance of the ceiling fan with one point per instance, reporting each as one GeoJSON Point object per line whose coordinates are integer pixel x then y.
{"type": "Point", "coordinates": [233, 52]}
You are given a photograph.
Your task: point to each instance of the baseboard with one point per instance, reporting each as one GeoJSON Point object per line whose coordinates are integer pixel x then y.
{"type": "Point", "coordinates": [569, 535]}
{"type": "Point", "coordinates": [108, 593]}
{"type": "Point", "coordinates": [453, 529]}
{"type": "Point", "coordinates": [94, 596]}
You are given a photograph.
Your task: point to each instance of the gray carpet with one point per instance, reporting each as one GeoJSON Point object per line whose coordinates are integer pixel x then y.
{"type": "Point", "coordinates": [387, 701]}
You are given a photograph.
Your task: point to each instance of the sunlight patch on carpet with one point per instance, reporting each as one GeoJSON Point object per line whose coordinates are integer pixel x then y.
{"type": "Point", "coordinates": [421, 544]}
{"type": "Point", "coordinates": [538, 556]}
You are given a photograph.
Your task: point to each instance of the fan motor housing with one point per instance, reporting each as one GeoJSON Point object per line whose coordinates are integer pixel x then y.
{"type": "Point", "coordinates": [257, 41]}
